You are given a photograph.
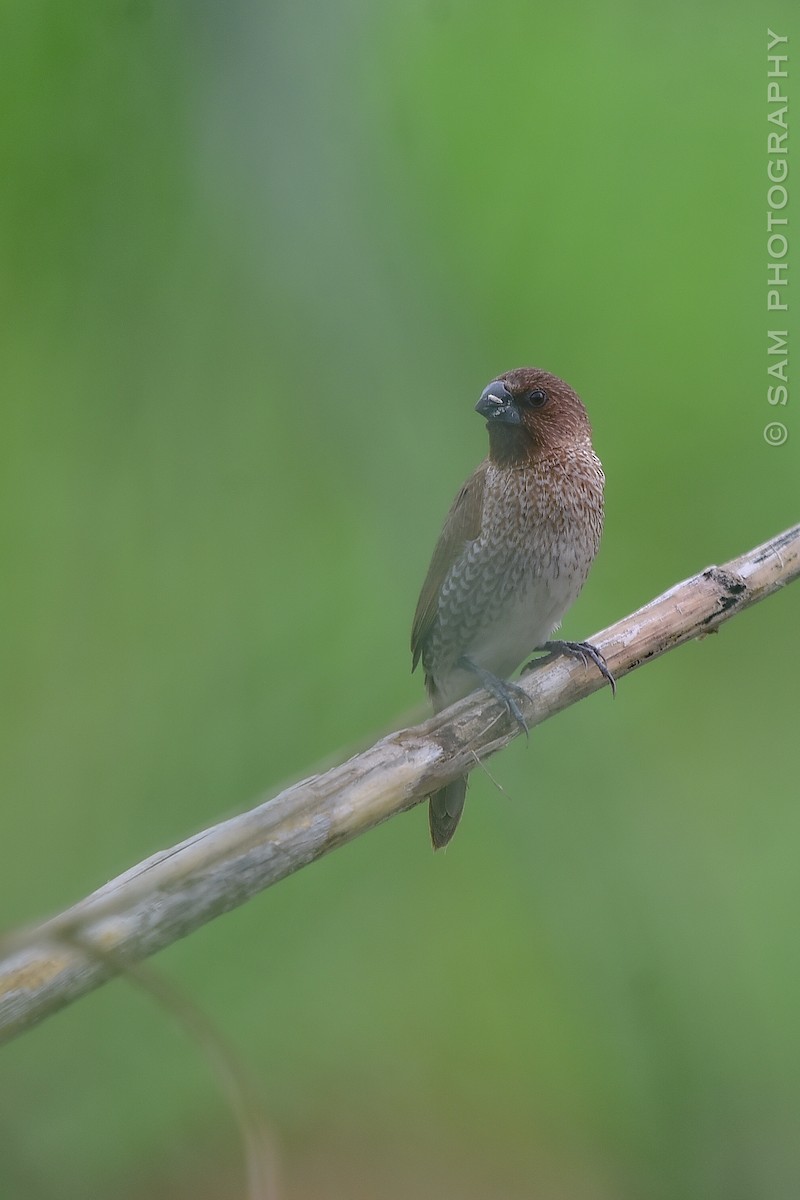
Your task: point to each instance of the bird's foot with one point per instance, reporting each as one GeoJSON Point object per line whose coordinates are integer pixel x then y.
{"type": "Point", "coordinates": [502, 691]}
{"type": "Point", "coordinates": [585, 651]}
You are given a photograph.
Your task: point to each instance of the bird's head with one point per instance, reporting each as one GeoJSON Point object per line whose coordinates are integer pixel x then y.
{"type": "Point", "coordinates": [530, 414]}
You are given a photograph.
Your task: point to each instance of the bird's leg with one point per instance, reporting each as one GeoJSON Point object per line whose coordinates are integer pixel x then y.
{"type": "Point", "coordinates": [585, 651]}
{"type": "Point", "coordinates": [501, 689]}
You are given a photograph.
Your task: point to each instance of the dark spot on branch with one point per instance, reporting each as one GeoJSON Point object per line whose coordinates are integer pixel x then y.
{"type": "Point", "coordinates": [731, 587]}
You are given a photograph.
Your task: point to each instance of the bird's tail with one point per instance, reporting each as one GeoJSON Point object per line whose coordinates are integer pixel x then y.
{"type": "Point", "coordinates": [445, 810]}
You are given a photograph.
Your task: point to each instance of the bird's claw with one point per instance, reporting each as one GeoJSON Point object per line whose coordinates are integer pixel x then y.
{"type": "Point", "coordinates": [506, 698]}
{"type": "Point", "coordinates": [584, 651]}
{"type": "Point", "coordinates": [502, 691]}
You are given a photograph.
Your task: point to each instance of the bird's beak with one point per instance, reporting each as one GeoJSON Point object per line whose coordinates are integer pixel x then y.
{"type": "Point", "coordinates": [497, 405]}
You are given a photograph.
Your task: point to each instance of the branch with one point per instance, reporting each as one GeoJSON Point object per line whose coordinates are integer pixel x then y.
{"type": "Point", "coordinates": [176, 891]}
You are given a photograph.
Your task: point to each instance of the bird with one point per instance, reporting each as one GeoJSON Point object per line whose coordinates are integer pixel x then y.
{"type": "Point", "coordinates": [513, 554]}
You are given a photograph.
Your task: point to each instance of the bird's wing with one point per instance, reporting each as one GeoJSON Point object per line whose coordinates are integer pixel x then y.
{"type": "Point", "coordinates": [463, 525]}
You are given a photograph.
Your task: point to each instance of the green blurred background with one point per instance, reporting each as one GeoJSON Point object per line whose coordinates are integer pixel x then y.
{"type": "Point", "coordinates": [258, 261]}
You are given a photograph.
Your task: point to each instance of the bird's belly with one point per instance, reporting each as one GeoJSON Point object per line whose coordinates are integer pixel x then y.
{"type": "Point", "coordinates": [519, 624]}
{"type": "Point", "coordinates": [511, 627]}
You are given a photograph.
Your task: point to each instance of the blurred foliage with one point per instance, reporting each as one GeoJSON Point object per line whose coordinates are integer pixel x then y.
{"type": "Point", "coordinates": [258, 262]}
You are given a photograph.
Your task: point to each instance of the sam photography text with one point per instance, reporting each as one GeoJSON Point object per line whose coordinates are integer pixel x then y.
{"type": "Point", "coordinates": [776, 431]}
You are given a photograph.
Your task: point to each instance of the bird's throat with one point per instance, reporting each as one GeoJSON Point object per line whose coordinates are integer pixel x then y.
{"type": "Point", "coordinates": [510, 445]}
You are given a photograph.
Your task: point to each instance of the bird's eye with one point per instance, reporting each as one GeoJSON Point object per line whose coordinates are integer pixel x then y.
{"type": "Point", "coordinates": [536, 398]}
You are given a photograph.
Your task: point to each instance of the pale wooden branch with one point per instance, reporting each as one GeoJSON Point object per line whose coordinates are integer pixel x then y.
{"type": "Point", "coordinates": [167, 896]}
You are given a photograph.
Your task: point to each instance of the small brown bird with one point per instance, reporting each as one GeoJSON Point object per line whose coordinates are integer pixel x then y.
{"type": "Point", "coordinates": [513, 555]}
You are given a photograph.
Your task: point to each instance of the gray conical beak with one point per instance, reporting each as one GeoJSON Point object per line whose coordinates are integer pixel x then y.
{"type": "Point", "coordinates": [497, 404]}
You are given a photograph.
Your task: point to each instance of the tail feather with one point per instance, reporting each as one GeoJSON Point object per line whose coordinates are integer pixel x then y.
{"type": "Point", "coordinates": [445, 810]}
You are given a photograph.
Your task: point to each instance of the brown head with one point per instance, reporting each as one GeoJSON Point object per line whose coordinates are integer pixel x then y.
{"type": "Point", "coordinates": [531, 414]}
